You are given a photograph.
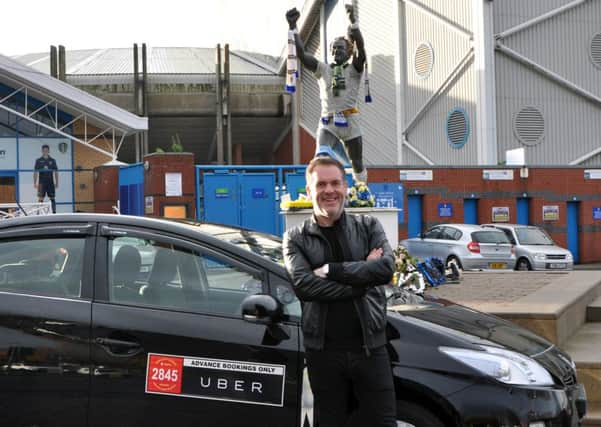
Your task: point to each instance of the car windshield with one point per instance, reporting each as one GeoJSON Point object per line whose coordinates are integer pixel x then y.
{"type": "Point", "coordinates": [266, 245]}
{"type": "Point", "coordinates": [489, 236]}
{"type": "Point", "coordinates": [533, 236]}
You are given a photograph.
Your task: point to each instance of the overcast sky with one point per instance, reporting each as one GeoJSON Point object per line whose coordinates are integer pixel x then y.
{"type": "Point", "coordinates": [254, 25]}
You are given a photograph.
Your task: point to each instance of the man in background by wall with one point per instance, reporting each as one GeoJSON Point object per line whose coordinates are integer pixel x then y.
{"type": "Point", "coordinates": [45, 177]}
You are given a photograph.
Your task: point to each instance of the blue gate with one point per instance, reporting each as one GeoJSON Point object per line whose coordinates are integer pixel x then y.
{"type": "Point", "coordinates": [249, 196]}
{"type": "Point", "coordinates": [414, 215]}
{"type": "Point", "coordinates": [573, 209]}
{"type": "Point", "coordinates": [523, 207]}
{"type": "Point", "coordinates": [258, 207]}
{"type": "Point", "coordinates": [222, 198]}
{"type": "Point", "coordinates": [295, 184]}
{"type": "Point", "coordinates": [131, 190]}
{"type": "Point", "coordinates": [244, 196]}
{"type": "Point", "coordinates": [470, 211]}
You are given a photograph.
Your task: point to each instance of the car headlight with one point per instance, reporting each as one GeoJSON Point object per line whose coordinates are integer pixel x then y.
{"type": "Point", "coordinates": [540, 256]}
{"type": "Point", "coordinates": [569, 256]}
{"type": "Point", "coordinates": [503, 365]}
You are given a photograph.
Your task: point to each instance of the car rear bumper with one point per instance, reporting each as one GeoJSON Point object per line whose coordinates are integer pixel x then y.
{"type": "Point", "coordinates": [482, 263]}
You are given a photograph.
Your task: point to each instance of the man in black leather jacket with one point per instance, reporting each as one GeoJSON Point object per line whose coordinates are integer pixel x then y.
{"type": "Point", "coordinates": [337, 262]}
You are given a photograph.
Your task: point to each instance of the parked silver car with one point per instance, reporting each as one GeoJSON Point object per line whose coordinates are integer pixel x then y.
{"type": "Point", "coordinates": [469, 246]}
{"type": "Point", "coordinates": [534, 248]}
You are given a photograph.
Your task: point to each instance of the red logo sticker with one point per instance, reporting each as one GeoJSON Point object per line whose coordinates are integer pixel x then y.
{"type": "Point", "coordinates": [164, 374]}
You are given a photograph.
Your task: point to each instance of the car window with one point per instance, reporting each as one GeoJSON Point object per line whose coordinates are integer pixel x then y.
{"type": "Point", "coordinates": [148, 272]}
{"type": "Point", "coordinates": [509, 235]}
{"type": "Point", "coordinates": [489, 236]}
{"type": "Point", "coordinates": [450, 233]}
{"type": "Point", "coordinates": [533, 236]}
{"type": "Point", "coordinates": [433, 233]}
{"type": "Point", "coordinates": [48, 267]}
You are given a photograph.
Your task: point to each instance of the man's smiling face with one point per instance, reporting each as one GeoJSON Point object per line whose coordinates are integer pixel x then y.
{"type": "Point", "coordinates": [327, 189]}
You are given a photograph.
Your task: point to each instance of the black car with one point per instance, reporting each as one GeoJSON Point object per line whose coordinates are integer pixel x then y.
{"type": "Point", "coordinates": [129, 321]}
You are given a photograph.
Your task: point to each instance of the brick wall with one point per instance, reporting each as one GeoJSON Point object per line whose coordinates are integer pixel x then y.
{"type": "Point", "coordinates": [283, 155]}
{"type": "Point", "coordinates": [154, 181]}
{"type": "Point", "coordinates": [85, 159]}
{"type": "Point", "coordinates": [543, 186]}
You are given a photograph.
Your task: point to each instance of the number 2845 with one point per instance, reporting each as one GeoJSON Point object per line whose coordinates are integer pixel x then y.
{"type": "Point", "coordinates": [161, 374]}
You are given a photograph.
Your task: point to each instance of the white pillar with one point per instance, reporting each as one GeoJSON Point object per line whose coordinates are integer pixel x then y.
{"type": "Point", "coordinates": [486, 103]}
{"type": "Point", "coordinates": [400, 65]}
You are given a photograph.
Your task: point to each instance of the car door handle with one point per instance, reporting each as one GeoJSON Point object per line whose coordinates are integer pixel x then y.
{"type": "Point", "coordinates": [119, 348]}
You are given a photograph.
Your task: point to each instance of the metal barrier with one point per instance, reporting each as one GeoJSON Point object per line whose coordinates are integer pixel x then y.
{"type": "Point", "coordinates": [14, 210]}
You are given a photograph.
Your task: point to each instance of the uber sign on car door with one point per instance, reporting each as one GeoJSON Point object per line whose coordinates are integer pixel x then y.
{"type": "Point", "coordinates": [238, 381]}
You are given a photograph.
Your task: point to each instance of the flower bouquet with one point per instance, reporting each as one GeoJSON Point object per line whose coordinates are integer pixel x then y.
{"type": "Point", "coordinates": [406, 275]}
{"type": "Point", "coordinates": [303, 202]}
{"type": "Point", "coordinates": [359, 196]}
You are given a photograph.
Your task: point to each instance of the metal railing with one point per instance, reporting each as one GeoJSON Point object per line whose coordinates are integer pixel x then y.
{"type": "Point", "coordinates": [15, 210]}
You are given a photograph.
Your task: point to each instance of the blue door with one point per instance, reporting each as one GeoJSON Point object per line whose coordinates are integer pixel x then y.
{"type": "Point", "coordinates": [258, 204]}
{"type": "Point", "coordinates": [572, 220]}
{"type": "Point", "coordinates": [523, 207]}
{"type": "Point", "coordinates": [131, 190]}
{"type": "Point", "coordinates": [470, 211]}
{"type": "Point", "coordinates": [295, 184]}
{"type": "Point", "coordinates": [221, 198]}
{"type": "Point", "coordinates": [414, 215]}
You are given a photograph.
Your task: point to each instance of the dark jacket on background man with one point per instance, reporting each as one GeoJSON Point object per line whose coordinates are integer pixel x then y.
{"type": "Point", "coordinates": [306, 248]}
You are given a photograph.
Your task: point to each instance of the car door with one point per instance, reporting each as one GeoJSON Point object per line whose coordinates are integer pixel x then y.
{"type": "Point", "coordinates": [421, 247]}
{"type": "Point", "coordinates": [45, 310]}
{"type": "Point", "coordinates": [430, 242]}
{"type": "Point", "coordinates": [443, 246]}
{"type": "Point", "coordinates": [171, 347]}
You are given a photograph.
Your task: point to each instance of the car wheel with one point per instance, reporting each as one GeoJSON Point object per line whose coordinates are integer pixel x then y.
{"type": "Point", "coordinates": [453, 260]}
{"type": "Point", "coordinates": [523, 265]}
{"type": "Point", "coordinates": [411, 415]}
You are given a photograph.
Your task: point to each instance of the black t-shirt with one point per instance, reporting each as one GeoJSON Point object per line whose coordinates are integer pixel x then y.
{"type": "Point", "coordinates": [45, 168]}
{"type": "Point", "coordinates": [343, 328]}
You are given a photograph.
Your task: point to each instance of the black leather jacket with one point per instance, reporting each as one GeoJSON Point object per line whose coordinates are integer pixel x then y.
{"type": "Point", "coordinates": [306, 248]}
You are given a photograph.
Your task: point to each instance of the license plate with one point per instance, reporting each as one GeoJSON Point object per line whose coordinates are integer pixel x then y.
{"type": "Point", "coordinates": [557, 265]}
{"type": "Point", "coordinates": [497, 265]}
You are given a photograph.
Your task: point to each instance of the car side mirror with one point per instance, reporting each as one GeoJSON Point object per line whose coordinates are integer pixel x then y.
{"type": "Point", "coordinates": [261, 308]}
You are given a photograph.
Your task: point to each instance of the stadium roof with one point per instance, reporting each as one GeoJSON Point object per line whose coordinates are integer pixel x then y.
{"type": "Point", "coordinates": [161, 60]}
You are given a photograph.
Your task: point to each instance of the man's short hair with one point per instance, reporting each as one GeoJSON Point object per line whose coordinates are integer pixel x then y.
{"type": "Point", "coordinates": [323, 161]}
{"type": "Point", "coordinates": [349, 44]}
{"type": "Point", "coordinates": [45, 146]}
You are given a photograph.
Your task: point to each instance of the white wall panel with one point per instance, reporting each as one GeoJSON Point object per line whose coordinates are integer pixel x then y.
{"type": "Point", "coordinates": [572, 124]}
{"type": "Point", "coordinates": [562, 45]}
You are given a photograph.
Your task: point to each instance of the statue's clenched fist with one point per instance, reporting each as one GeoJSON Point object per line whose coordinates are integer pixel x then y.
{"type": "Point", "coordinates": [350, 12]}
{"type": "Point", "coordinates": [292, 16]}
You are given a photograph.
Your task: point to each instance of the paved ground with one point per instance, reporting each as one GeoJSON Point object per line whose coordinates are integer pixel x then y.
{"type": "Point", "coordinates": [482, 287]}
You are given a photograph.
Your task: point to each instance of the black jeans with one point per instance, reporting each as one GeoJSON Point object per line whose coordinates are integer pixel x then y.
{"type": "Point", "coordinates": [351, 388]}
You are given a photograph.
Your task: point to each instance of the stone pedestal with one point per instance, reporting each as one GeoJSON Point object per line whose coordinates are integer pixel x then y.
{"type": "Point", "coordinates": [388, 217]}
